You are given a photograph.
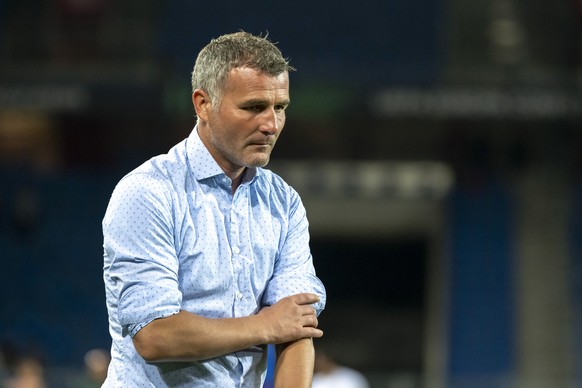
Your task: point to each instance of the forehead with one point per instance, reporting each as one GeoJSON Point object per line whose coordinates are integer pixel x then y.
{"type": "Point", "coordinates": [244, 81]}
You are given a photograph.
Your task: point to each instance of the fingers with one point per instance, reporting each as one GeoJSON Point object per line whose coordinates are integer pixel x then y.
{"type": "Point", "coordinates": [292, 318]}
{"type": "Point", "coordinates": [305, 298]}
{"type": "Point", "coordinates": [315, 333]}
{"type": "Point", "coordinates": [308, 310]}
{"type": "Point", "coordinates": [309, 328]}
{"type": "Point", "coordinates": [310, 321]}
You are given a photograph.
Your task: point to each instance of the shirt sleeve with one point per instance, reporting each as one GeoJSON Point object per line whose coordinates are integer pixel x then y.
{"type": "Point", "coordinates": [140, 257]}
{"type": "Point", "coordinates": [294, 270]}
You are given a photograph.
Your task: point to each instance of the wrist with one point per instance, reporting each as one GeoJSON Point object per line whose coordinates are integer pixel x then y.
{"type": "Point", "coordinates": [259, 331]}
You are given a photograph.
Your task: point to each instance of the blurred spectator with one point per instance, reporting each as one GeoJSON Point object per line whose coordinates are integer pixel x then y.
{"type": "Point", "coordinates": [96, 363]}
{"type": "Point", "coordinates": [28, 373]}
{"type": "Point", "coordinates": [327, 373]}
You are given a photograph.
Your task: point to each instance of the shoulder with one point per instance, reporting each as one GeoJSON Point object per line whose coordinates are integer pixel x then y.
{"type": "Point", "coordinates": [277, 190]}
{"type": "Point", "coordinates": [155, 179]}
{"type": "Point", "coordinates": [165, 167]}
{"type": "Point", "coordinates": [269, 180]}
{"type": "Point", "coordinates": [279, 194]}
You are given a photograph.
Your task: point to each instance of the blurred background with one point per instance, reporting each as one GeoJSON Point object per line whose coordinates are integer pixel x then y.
{"type": "Point", "coordinates": [435, 143]}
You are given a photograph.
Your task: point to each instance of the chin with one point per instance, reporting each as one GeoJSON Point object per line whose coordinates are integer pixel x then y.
{"type": "Point", "coordinates": [259, 162]}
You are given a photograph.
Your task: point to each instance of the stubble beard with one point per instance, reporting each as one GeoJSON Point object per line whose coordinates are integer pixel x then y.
{"type": "Point", "coordinates": [228, 152]}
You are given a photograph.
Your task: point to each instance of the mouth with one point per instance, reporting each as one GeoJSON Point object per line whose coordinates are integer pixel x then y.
{"type": "Point", "coordinates": [262, 143]}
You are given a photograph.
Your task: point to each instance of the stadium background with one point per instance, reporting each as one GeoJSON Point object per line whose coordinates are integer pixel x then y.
{"type": "Point", "coordinates": [436, 145]}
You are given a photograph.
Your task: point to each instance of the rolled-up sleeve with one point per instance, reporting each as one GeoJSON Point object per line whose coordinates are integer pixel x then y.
{"type": "Point", "coordinates": [294, 270]}
{"type": "Point", "coordinates": [141, 266]}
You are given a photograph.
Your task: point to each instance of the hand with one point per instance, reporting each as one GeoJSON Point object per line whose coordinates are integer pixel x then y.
{"type": "Point", "coordinates": [291, 318]}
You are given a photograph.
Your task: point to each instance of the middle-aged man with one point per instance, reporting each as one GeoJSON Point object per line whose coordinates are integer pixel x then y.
{"type": "Point", "coordinates": [206, 254]}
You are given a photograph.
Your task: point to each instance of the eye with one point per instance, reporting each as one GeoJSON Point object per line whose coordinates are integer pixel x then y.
{"type": "Point", "coordinates": [254, 108]}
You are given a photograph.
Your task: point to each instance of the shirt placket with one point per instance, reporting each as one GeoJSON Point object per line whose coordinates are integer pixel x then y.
{"type": "Point", "coordinates": [238, 248]}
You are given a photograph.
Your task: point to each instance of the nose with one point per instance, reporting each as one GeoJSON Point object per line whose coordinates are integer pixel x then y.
{"type": "Point", "coordinates": [271, 122]}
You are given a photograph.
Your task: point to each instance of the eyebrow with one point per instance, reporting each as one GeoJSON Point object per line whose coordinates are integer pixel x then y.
{"type": "Point", "coordinates": [258, 101]}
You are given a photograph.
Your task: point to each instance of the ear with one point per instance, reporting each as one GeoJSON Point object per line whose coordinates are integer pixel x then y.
{"type": "Point", "coordinates": [202, 104]}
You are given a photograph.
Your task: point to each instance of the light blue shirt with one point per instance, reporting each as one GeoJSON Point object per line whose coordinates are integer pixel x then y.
{"type": "Point", "coordinates": [175, 238]}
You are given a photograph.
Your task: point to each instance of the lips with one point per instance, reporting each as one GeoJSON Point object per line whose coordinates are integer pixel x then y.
{"type": "Point", "coordinates": [263, 143]}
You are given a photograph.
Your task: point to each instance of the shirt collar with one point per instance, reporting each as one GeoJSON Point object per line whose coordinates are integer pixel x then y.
{"type": "Point", "coordinates": [202, 164]}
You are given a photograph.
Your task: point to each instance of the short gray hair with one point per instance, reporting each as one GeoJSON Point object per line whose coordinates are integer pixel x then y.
{"type": "Point", "coordinates": [230, 51]}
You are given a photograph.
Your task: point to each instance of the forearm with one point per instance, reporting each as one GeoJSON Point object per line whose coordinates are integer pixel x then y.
{"type": "Point", "coordinates": [294, 366]}
{"type": "Point", "coordinates": [186, 336]}
{"type": "Point", "coordinates": [189, 337]}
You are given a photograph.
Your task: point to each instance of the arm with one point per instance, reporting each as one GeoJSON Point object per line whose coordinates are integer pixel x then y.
{"type": "Point", "coordinates": [186, 336]}
{"type": "Point", "coordinates": [294, 271]}
{"type": "Point", "coordinates": [294, 367]}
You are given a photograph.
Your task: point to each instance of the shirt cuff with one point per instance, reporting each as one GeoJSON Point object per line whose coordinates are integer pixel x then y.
{"type": "Point", "coordinates": [134, 328]}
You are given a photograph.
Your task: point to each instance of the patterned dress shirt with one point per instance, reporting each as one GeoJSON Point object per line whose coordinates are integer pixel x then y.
{"type": "Point", "coordinates": [176, 238]}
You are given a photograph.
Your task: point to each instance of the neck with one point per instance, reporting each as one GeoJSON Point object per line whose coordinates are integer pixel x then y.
{"type": "Point", "coordinates": [236, 179]}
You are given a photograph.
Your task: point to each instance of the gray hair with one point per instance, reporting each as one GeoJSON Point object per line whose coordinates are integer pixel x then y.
{"type": "Point", "coordinates": [230, 51]}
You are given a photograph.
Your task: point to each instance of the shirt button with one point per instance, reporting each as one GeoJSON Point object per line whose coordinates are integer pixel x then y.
{"type": "Point", "coordinates": [236, 250]}
{"type": "Point", "coordinates": [239, 295]}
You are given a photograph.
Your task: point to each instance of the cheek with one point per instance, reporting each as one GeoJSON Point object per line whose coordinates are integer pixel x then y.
{"type": "Point", "coordinates": [281, 122]}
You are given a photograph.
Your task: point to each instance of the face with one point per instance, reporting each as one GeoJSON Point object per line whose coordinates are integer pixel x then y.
{"type": "Point", "coordinates": [243, 129]}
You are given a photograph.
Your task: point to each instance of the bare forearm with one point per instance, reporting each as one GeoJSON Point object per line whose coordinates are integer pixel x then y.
{"type": "Point", "coordinates": [186, 336]}
{"type": "Point", "coordinates": [294, 367]}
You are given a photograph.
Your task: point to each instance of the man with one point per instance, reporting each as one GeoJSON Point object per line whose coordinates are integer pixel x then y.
{"type": "Point", "coordinates": [329, 374]}
{"type": "Point", "coordinates": [206, 254]}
